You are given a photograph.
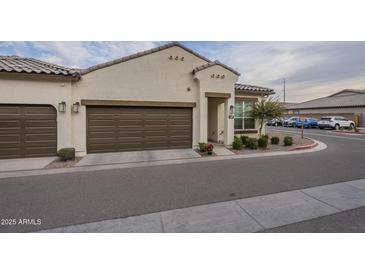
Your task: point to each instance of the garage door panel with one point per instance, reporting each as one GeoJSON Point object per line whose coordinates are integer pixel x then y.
{"type": "Point", "coordinates": [6, 153]}
{"type": "Point", "coordinates": [6, 123]}
{"type": "Point", "coordinates": [41, 137]}
{"type": "Point", "coordinates": [140, 128]}
{"type": "Point", "coordinates": [32, 129]}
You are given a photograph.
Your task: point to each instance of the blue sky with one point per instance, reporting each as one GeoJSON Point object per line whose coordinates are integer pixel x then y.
{"type": "Point", "coordinates": [311, 69]}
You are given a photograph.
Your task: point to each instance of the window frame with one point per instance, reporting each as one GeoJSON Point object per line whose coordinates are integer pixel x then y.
{"type": "Point", "coordinates": [243, 117]}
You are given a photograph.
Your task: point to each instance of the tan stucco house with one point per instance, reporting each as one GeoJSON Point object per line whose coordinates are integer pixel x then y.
{"type": "Point", "coordinates": [166, 97]}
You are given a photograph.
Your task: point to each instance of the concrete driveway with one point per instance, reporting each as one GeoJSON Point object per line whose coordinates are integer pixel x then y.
{"type": "Point", "coordinates": [25, 163]}
{"type": "Point", "coordinates": [137, 156]}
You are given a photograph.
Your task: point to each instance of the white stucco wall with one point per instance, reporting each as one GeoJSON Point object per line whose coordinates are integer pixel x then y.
{"type": "Point", "coordinates": [152, 77]}
{"type": "Point", "coordinates": [26, 90]}
{"type": "Point", "coordinates": [218, 85]}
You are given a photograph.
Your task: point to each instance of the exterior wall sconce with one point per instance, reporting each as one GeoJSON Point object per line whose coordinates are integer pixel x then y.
{"type": "Point", "coordinates": [75, 107]}
{"type": "Point", "coordinates": [231, 112]}
{"type": "Point", "coordinates": [62, 106]}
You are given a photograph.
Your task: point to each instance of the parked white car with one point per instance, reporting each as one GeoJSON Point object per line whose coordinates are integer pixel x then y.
{"type": "Point", "coordinates": [335, 122]}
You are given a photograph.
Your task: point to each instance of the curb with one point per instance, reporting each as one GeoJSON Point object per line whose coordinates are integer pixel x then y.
{"type": "Point", "coordinates": [350, 133]}
{"type": "Point", "coordinates": [304, 147]}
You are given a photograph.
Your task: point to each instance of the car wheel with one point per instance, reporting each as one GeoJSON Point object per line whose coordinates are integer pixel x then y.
{"type": "Point", "coordinates": [276, 124]}
{"type": "Point", "coordinates": [337, 127]}
{"type": "Point", "coordinates": [351, 127]}
{"type": "Point", "coordinates": [321, 128]}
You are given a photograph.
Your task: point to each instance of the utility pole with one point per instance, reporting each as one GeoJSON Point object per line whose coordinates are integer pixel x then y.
{"type": "Point", "coordinates": [284, 90]}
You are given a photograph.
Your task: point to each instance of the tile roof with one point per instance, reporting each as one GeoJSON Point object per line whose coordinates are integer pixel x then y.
{"type": "Point", "coordinates": [214, 63]}
{"type": "Point", "coordinates": [142, 53]}
{"type": "Point", "coordinates": [357, 99]}
{"type": "Point", "coordinates": [254, 89]}
{"type": "Point", "coordinates": [34, 66]}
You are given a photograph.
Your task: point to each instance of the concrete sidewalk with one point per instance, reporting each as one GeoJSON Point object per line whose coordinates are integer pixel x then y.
{"type": "Point", "coordinates": [243, 215]}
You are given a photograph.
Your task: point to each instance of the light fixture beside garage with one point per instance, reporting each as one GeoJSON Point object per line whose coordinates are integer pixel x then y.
{"type": "Point", "coordinates": [75, 107]}
{"type": "Point", "coordinates": [62, 106]}
{"type": "Point", "coordinates": [231, 112]}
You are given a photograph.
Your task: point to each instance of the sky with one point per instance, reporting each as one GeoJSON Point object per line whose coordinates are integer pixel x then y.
{"type": "Point", "coordinates": [311, 69]}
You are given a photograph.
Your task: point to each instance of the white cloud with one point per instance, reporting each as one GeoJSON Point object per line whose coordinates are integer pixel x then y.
{"type": "Point", "coordinates": [84, 54]}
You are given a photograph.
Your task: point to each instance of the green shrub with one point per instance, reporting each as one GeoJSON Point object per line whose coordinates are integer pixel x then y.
{"type": "Point", "coordinates": [356, 129]}
{"type": "Point", "coordinates": [275, 140]}
{"type": "Point", "coordinates": [66, 154]}
{"type": "Point", "coordinates": [265, 136]}
{"type": "Point", "coordinates": [203, 147]}
{"type": "Point", "coordinates": [237, 143]}
{"type": "Point", "coordinates": [244, 139]}
{"type": "Point", "coordinates": [252, 143]}
{"type": "Point", "coordinates": [262, 142]}
{"type": "Point", "coordinates": [288, 141]}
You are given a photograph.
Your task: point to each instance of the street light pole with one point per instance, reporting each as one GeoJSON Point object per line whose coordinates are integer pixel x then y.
{"type": "Point", "coordinates": [284, 90]}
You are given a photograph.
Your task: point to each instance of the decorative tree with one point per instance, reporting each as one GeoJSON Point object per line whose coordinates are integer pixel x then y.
{"type": "Point", "coordinates": [265, 110]}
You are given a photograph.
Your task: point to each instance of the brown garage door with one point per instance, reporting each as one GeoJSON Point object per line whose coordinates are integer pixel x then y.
{"type": "Point", "coordinates": [27, 131]}
{"type": "Point", "coordinates": [138, 128]}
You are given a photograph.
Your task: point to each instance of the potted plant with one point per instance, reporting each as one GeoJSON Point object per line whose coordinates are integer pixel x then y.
{"type": "Point", "coordinates": [210, 148]}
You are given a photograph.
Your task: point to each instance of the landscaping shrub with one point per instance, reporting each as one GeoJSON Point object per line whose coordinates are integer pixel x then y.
{"type": "Point", "coordinates": [244, 139]}
{"type": "Point", "coordinates": [203, 147]}
{"type": "Point", "coordinates": [237, 143]}
{"type": "Point", "coordinates": [275, 140]}
{"type": "Point", "coordinates": [66, 154]}
{"type": "Point", "coordinates": [262, 141]}
{"type": "Point", "coordinates": [265, 136]}
{"type": "Point", "coordinates": [288, 141]}
{"type": "Point", "coordinates": [252, 143]}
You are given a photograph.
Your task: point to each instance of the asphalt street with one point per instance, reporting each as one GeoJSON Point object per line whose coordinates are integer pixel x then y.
{"type": "Point", "coordinates": [83, 197]}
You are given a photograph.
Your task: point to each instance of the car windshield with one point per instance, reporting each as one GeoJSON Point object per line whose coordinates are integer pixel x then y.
{"type": "Point", "coordinates": [326, 118]}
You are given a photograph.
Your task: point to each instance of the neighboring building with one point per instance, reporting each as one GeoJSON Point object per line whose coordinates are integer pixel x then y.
{"type": "Point", "coordinates": [349, 103]}
{"type": "Point", "coordinates": [288, 107]}
{"type": "Point", "coordinates": [166, 97]}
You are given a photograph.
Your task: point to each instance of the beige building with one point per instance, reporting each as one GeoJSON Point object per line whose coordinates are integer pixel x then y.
{"type": "Point", "coordinates": [349, 103]}
{"type": "Point", "coordinates": [166, 97]}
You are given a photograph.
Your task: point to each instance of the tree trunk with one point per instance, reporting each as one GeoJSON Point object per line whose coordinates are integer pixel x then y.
{"type": "Point", "coordinates": [261, 125]}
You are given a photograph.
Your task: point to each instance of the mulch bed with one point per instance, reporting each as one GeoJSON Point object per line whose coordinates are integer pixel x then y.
{"type": "Point", "coordinates": [204, 154]}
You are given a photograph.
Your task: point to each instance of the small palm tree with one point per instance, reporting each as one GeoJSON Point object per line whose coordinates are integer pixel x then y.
{"type": "Point", "coordinates": [265, 110]}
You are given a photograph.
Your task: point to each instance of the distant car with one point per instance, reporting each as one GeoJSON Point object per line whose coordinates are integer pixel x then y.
{"type": "Point", "coordinates": [275, 122]}
{"type": "Point", "coordinates": [335, 122]}
{"type": "Point", "coordinates": [290, 121]}
{"type": "Point", "coordinates": [308, 123]}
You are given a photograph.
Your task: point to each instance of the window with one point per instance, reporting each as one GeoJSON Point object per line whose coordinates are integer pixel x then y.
{"type": "Point", "coordinates": [242, 120]}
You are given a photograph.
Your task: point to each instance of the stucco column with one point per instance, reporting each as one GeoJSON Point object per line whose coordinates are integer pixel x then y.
{"type": "Point", "coordinates": [203, 118]}
{"type": "Point", "coordinates": [64, 128]}
{"type": "Point", "coordinates": [228, 123]}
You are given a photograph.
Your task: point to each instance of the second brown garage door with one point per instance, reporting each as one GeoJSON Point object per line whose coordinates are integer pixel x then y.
{"type": "Point", "coordinates": [112, 129]}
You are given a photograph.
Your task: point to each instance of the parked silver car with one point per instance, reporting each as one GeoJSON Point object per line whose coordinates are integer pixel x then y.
{"type": "Point", "coordinates": [335, 122]}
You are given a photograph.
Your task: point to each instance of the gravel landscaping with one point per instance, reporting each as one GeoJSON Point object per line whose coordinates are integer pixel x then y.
{"type": "Point", "coordinates": [297, 141]}
{"type": "Point", "coordinates": [62, 164]}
